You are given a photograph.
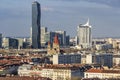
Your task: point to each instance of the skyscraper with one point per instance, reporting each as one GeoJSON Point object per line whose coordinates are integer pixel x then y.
{"type": "Point", "coordinates": [84, 35]}
{"type": "Point", "coordinates": [36, 16]}
{"type": "Point", "coordinates": [0, 40]}
{"type": "Point", "coordinates": [43, 32]}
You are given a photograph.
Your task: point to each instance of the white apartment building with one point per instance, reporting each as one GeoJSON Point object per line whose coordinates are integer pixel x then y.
{"type": "Point", "coordinates": [54, 72]}
{"type": "Point", "coordinates": [102, 74]}
{"type": "Point", "coordinates": [61, 72]}
{"type": "Point", "coordinates": [116, 60]}
{"type": "Point", "coordinates": [67, 58]}
{"type": "Point", "coordinates": [24, 70]}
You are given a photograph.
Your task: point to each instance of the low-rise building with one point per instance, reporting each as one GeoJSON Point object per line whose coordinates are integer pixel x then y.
{"type": "Point", "coordinates": [105, 59]}
{"type": "Point", "coordinates": [102, 73]}
{"type": "Point", "coordinates": [116, 60]}
{"type": "Point", "coordinates": [54, 72]}
{"type": "Point", "coordinates": [24, 70]}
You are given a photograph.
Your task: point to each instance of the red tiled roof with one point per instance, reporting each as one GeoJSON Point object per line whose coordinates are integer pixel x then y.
{"type": "Point", "coordinates": [24, 78]}
{"type": "Point", "coordinates": [102, 71]}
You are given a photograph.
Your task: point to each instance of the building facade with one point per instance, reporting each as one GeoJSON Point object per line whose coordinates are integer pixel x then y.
{"type": "Point", "coordinates": [10, 43]}
{"type": "Point", "coordinates": [43, 32]}
{"type": "Point", "coordinates": [67, 58]}
{"type": "Point", "coordinates": [84, 35]}
{"type": "Point", "coordinates": [53, 48]}
{"type": "Point", "coordinates": [36, 33]}
{"type": "Point", "coordinates": [102, 74]}
{"type": "Point", "coordinates": [62, 37]}
{"type": "Point", "coordinates": [54, 72]}
{"type": "Point", "coordinates": [105, 59]}
{"type": "Point", "coordinates": [0, 40]}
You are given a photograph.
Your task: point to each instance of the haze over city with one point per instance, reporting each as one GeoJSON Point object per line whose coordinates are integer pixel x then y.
{"type": "Point", "coordinates": [15, 16]}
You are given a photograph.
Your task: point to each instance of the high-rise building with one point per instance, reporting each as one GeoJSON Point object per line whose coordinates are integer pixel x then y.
{"type": "Point", "coordinates": [67, 40]}
{"type": "Point", "coordinates": [36, 16]}
{"type": "Point", "coordinates": [84, 35]}
{"type": "Point", "coordinates": [10, 43]}
{"type": "Point", "coordinates": [0, 40]}
{"type": "Point", "coordinates": [62, 35]}
{"type": "Point", "coordinates": [49, 36]}
{"type": "Point", "coordinates": [43, 32]}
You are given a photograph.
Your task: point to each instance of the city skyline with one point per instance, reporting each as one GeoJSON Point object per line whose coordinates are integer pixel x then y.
{"type": "Point", "coordinates": [64, 15]}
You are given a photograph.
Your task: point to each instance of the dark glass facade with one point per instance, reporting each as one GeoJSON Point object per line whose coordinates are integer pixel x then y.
{"type": "Point", "coordinates": [0, 40]}
{"type": "Point", "coordinates": [36, 16]}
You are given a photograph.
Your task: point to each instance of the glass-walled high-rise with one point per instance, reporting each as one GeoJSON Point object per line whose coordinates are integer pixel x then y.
{"type": "Point", "coordinates": [36, 16]}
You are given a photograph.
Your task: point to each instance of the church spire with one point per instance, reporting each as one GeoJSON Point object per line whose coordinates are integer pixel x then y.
{"type": "Point", "coordinates": [56, 41]}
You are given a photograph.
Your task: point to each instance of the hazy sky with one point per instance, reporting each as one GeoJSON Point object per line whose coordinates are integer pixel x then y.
{"type": "Point", "coordinates": [104, 15]}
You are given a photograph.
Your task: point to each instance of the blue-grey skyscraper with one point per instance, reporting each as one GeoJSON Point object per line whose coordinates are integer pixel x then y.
{"type": "Point", "coordinates": [0, 40]}
{"type": "Point", "coordinates": [36, 16]}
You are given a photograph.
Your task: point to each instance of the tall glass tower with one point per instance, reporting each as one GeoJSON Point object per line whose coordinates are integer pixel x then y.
{"type": "Point", "coordinates": [36, 16]}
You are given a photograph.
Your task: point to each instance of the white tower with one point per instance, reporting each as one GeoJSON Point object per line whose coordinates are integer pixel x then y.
{"type": "Point", "coordinates": [84, 35]}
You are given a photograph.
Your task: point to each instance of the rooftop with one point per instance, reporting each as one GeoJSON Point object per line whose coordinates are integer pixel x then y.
{"type": "Point", "coordinates": [93, 70]}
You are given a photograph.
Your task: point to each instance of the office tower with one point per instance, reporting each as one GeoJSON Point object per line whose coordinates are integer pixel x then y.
{"type": "Point", "coordinates": [84, 35]}
{"type": "Point", "coordinates": [67, 40]}
{"type": "Point", "coordinates": [62, 37]}
{"type": "Point", "coordinates": [10, 43]}
{"type": "Point", "coordinates": [0, 40]}
{"type": "Point", "coordinates": [49, 36]}
{"type": "Point", "coordinates": [36, 16]}
{"type": "Point", "coordinates": [43, 32]}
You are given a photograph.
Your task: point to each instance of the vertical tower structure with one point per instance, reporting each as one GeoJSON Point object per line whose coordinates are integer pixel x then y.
{"type": "Point", "coordinates": [36, 33]}
{"type": "Point", "coordinates": [84, 38]}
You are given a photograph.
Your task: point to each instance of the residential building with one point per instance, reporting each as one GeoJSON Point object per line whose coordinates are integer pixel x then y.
{"type": "Point", "coordinates": [84, 39]}
{"type": "Point", "coordinates": [54, 72]}
{"type": "Point", "coordinates": [36, 33]}
{"type": "Point", "coordinates": [10, 43]}
{"type": "Point", "coordinates": [116, 60]}
{"type": "Point", "coordinates": [105, 59]}
{"type": "Point", "coordinates": [24, 70]}
{"type": "Point", "coordinates": [62, 73]}
{"type": "Point", "coordinates": [23, 78]}
{"type": "Point", "coordinates": [102, 74]}
{"type": "Point", "coordinates": [74, 58]}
